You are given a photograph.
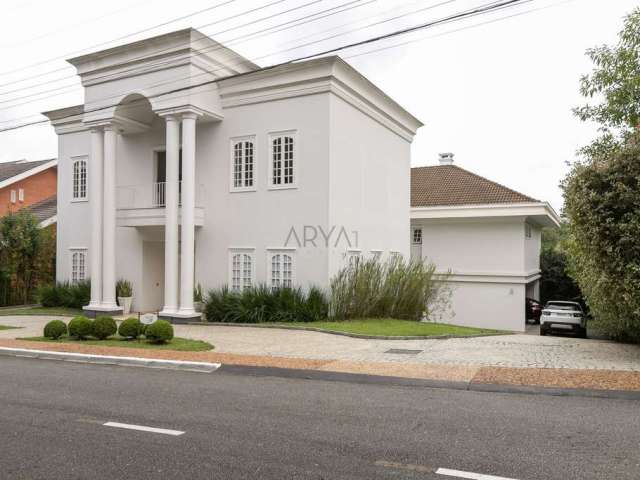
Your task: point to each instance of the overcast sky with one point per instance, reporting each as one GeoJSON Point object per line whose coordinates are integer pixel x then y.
{"type": "Point", "coordinates": [498, 93]}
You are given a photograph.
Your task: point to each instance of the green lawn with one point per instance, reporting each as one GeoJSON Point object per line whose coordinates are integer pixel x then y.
{"type": "Point", "coordinates": [53, 311]}
{"type": "Point", "coordinates": [393, 328]}
{"type": "Point", "coordinates": [179, 344]}
{"type": "Point", "coordinates": [7, 327]}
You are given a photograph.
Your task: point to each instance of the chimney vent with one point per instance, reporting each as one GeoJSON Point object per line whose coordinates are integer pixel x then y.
{"type": "Point", "coordinates": [446, 159]}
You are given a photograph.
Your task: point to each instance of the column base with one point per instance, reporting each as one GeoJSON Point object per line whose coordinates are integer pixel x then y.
{"type": "Point", "coordinates": [180, 317]}
{"type": "Point", "coordinates": [93, 311]}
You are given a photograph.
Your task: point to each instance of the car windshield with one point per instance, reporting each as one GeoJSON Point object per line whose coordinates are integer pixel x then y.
{"type": "Point", "coordinates": [563, 306]}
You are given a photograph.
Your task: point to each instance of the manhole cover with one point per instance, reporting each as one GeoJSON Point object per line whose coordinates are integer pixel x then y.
{"type": "Point", "coordinates": [403, 351]}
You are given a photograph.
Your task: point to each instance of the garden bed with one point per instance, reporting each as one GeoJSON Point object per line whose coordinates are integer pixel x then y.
{"type": "Point", "coordinates": [177, 343]}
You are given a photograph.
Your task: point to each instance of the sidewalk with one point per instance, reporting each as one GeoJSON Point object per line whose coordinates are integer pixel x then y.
{"type": "Point", "coordinates": [560, 378]}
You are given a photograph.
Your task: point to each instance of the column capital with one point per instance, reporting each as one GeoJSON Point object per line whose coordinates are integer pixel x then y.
{"type": "Point", "coordinates": [181, 112]}
{"type": "Point", "coordinates": [104, 125]}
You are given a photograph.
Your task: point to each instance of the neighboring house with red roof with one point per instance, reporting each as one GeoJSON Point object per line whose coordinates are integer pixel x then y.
{"type": "Point", "coordinates": [487, 235]}
{"type": "Point", "coordinates": [31, 185]}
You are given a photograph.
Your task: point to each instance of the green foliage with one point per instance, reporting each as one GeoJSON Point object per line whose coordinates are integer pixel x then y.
{"type": "Point", "coordinates": [80, 327]}
{"type": "Point", "coordinates": [198, 296]}
{"type": "Point", "coordinates": [391, 289]}
{"type": "Point", "coordinates": [20, 246]}
{"type": "Point", "coordinates": [130, 328]}
{"type": "Point", "coordinates": [614, 84]}
{"type": "Point", "coordinates": [159, 331]}
{"type": "Point", "coordinates": [602, 203]}
{"type": "Point", "coordinates": [602, 192]}
{"type": "Point", "coordinates": [124, 288]}
{"type": "Point", "coordinates": [263, 304]}
{"type": "Point", "coordinates": [65, 294]}
{"type": "Point", "coordinates": [55, 329]}
{"type": "Point", "coordinates": [556, 284]}
{"type": "Point", "coordinates": [104, 327]}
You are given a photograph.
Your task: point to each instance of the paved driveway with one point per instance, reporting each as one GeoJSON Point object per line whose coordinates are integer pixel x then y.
{"type": "Point", "coordinates": [518, 350]}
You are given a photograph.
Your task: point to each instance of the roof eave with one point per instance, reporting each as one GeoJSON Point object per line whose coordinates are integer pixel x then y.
{"type": "Point", "coordinates": [29, 173]}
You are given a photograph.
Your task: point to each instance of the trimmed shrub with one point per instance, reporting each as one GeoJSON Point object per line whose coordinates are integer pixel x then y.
{"type": "Point", "coordinates": [80, 327]}
{"type": "Point", "coordinates": [159, 331]}
{"type": "Point", "coordinates": [263, 304]}
{"type": "Point", "coordinates": [55, 329]}
{"type": "Point", "coordinates": [130, 328]}
{"type": "Point", "coordinates": [104, 327]}
{"type": "Point", "coordinates": [65, 294]}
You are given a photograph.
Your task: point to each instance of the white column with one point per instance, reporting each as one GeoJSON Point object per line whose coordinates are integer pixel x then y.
{"type": "Point", "coordinates": [188, 213]}
{"type": "Point", "coordinates": [171, 267]}
{"type": "Point", "coordinates": [95, 196]}
{"type": "Point", "coordinates": [109, 221]}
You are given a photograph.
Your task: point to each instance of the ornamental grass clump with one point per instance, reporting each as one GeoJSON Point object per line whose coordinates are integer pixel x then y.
{"type": "Point", "coordinates": [55, 329]}
{"type": "Point", "coordinates": [390, 289]}
{"type": "Point", "coordinates": [261, 303]}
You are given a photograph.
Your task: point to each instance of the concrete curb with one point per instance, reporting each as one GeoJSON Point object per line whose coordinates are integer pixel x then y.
{"type": "Point", "coordinates": [344, 334]}
{"type": "Point", "coordinates": [111, 360]}
{"type": "Point", "coordinates": [424, 383]}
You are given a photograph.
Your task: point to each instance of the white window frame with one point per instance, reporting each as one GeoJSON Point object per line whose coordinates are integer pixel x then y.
{"type": "Point", "coordinates": [271, 252]}
{"type": "Point", "coordinates": [233, 251]}
{"type": "Point", "coordinates": [82, 273]}
{"type": "Point", "coordinates": [415, 230]}
{"type": "Point", "coordinates": [80, 198]}
{"type": "Point", "coordinates": [21, 194]}
{"type": "Point", "coordinates": [296, 159]}
{"type": "Point", "coordinates": [232, 143]}
{"type": "Point", "coordinates": [376, 253]}
{"type": "Point", "coordinates": [13, 196]}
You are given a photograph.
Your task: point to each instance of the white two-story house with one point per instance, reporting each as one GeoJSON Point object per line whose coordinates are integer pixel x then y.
{"type": "Point", "coordinates": [188, 164]}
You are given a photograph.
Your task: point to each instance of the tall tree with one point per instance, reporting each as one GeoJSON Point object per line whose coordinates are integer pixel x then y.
{"type": "Point", "coordinates": [602, 190]}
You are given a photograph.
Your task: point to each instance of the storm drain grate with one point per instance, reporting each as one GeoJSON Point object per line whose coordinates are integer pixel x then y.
{"type": "Point", "coordinates": [403, 351]}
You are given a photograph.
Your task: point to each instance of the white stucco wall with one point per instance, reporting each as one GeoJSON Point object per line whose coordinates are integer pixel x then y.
{"type": "Point", "coordinates": [490, 260]}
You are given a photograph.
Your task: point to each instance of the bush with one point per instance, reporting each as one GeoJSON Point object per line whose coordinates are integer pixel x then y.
{"type": "Point", "coordinates": [159, 331]}
{"type": "Point", "coordinates": [65, 294]}
{"type": "Point", "coordinates": [80, 327]}
{"type": "Point", "coordinates": [130, 328]}
{"type": "Point", "coordinates": [55, 329]}
{"type": "Point", "coordinates": [263, 304]}
{"type": "Point", "coordinates": [104, 327]}
{"type": "Point", "coordinates": [391, 289]}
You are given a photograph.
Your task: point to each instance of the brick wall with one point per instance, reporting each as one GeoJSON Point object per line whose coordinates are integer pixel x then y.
{"type": "Point", "coordinates": [36, 188]}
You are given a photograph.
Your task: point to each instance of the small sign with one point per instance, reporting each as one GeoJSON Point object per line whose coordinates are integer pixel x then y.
{"type": "Point", "coordinates": [148, 318]}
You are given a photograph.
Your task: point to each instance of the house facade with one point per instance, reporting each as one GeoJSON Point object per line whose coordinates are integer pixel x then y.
{"type": "Point", "coordinates": [32, 185]}
{"type": "Point", "coordinates": [484, 237]}
{"type": "Point", "coordinates": [188, 164]}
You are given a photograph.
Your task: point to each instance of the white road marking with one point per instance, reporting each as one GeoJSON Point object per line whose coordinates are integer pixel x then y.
{"type": "Point", "coordinates": [142, 428]}
{"type": "Point", "coordinates": [469, 475]}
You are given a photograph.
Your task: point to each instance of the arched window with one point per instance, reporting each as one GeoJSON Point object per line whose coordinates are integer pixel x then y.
{"type": "Point", "coordinates": [80, 179]}
{"type": "Point", "coordinates": [241, 271]}
{"type": "Point", "coordinates": [281, 271]}
{"type": "Point", "coordinates": [283, 160]}
{"type": "Point", "coordinates": [242, 167]}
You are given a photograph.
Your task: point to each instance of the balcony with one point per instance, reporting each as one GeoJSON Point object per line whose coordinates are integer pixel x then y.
{"type": "Point", "coordinates": [143, 205]}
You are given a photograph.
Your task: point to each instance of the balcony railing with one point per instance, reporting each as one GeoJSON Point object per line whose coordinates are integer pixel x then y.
{"type": "Point", "coordinates": [150, 195]}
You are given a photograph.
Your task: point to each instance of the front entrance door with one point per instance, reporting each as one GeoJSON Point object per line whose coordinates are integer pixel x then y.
{"type": "Point", "coordinates": [152, 276]}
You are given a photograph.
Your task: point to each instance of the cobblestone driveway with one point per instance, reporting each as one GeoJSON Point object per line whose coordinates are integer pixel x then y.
{"type": "Point", "coordinates": [518, 350]}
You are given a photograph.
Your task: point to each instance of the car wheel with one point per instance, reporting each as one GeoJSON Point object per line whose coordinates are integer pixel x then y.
{"type": "Point", "coordinates": [543, 331]}
{"type": "Point", "coordinates": [582, 333]}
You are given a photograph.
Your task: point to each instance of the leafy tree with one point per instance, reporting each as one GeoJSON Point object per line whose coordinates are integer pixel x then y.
{"type": "Point", "coordinates": [556, 283]}
{"type": "Point", "coordinates": [602, 191]}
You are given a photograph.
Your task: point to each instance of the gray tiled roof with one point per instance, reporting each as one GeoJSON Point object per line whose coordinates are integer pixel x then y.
{"type": "Point", "coordinates": [11, 169]}
{"type": "Point", "coordinates": [44, 209]}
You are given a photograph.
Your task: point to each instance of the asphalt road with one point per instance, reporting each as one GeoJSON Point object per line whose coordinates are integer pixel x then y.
{"type": "Point", "coordinates": [246, 427]}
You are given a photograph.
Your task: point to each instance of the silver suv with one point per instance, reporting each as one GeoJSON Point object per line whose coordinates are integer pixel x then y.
{"type": "Point", "coordinates": [566, 316]}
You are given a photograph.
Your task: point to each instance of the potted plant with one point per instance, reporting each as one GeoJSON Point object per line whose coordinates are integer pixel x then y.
{"type": "Point", "coordinates": [124, 293]}
{"type": "Point", "coordinates": [198, 302]}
